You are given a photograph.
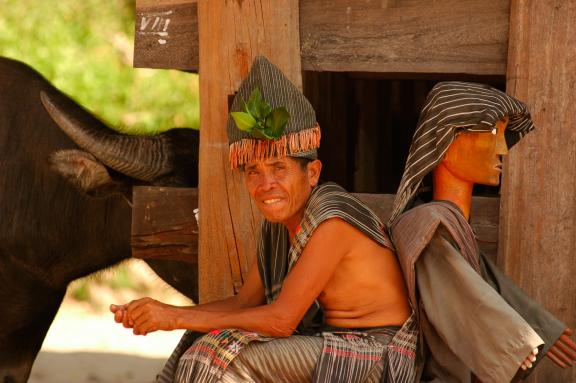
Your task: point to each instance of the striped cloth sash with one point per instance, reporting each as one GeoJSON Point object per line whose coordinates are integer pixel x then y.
{"type": "Point", "coordinates": [275, 255]}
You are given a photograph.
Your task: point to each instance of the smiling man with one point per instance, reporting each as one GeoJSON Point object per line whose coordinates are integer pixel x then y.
{"type": "Point", "coordinates": [325, 300]}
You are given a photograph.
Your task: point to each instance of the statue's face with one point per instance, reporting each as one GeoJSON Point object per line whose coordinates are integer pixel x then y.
{"type": "Point", "coordinates": [477, 157]}
{"type": "Point", "coordinates": [281, 187]}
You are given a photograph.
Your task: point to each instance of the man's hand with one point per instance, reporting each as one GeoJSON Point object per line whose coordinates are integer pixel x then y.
{"type": "Point", "coordinates": [120, 315]}
{"type": "Point", "coordinates": [145, 315]}
{"type": "Point", "coordinates": [563, 352]}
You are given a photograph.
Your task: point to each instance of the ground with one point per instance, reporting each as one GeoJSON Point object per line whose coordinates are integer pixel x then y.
{"type": "Point", "coordinates": [85, 345]}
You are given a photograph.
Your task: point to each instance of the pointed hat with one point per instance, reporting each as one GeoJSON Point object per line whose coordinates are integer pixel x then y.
{"type": "Point", "coordinates": [299, 135]}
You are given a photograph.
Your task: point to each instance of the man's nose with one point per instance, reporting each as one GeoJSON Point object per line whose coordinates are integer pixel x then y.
{"type": "Point", "coordinates": [268, 181]}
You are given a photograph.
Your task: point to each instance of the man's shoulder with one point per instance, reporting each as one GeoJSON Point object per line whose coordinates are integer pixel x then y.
{"type": "Point", "coordinates": [330, 200]}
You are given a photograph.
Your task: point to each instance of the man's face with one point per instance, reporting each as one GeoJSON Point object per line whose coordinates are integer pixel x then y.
{"type": "Point", "coordinates": [280, 187]}
{"type": "Point", "coordinates": [476, 157]}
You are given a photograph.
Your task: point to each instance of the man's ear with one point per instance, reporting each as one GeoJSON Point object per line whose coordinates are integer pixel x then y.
{"type": "Point", "coordinates": [314, 168]}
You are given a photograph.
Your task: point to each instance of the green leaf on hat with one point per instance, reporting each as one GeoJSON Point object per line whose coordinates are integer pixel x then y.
{"type": "Point", "coordinates": [276, 122]}
{"type": "Point", "coordinates": [253, 105]}
{"type": "Point", "coordinates": [244, 121]}
{"type": "Point", "coordinates": [259, 119]}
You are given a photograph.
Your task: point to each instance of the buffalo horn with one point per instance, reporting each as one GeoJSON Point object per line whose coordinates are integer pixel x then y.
{"type": "Point", "coordinates": [141, 157]}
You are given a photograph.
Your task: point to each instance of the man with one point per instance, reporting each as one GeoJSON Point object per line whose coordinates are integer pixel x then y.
{"type": "Point", "coordinates": [473, 318]}
{"type": "Point", "coordinates": [325, 301]}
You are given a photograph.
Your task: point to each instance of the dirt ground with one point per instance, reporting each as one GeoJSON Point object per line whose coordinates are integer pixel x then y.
{"type": "Point", "coordinates": [85, 345]}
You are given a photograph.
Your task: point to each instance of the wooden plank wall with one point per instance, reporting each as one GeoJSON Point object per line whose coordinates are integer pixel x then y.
{"type": "Point", "coordinates": [406, 36]}
{"type": "Point", "coordinates": [232, 34]}
{"type": "Point", "coordinates": [450, 36]}
{"type": "Point", "coordinates": [164, 222]}
{"type": "Point", "coordinates": [538, 203]}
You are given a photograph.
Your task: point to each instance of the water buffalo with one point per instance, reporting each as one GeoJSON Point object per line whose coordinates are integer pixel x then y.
{"type": "Point", "coordinates": [50, 234]}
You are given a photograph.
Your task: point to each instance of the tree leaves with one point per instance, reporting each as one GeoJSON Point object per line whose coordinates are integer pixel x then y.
{"type": "Point", "coordinates": [259, 119]}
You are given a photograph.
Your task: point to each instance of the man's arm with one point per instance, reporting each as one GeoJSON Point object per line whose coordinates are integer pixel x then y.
{"type": "Point", "coordinates": [317, 263]}
{"type": "Point", "coordinates": [251, 294]}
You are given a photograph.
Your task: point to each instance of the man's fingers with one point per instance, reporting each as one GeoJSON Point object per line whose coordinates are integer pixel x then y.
{"type": "Point", "coordinates": [148, 326]}
{"type": "Point", "coordinates": [134, 305]}
{"type": "Point", "coordinates": [567, 346]}
{"type": "Point", "coordinates": [127, 321]}
{"type": "Point", "coordinates": [568, 341]}
{"type": "Point", "coordinates": [119, 316]}
{"type": "Point", "coordinates": [568, 332]}
{"type": "Point", "coordinates": [557, 357]}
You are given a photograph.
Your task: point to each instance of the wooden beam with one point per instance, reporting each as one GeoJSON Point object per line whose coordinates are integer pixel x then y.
{"type": "Point", "coordinates": [390, 36]}
{"type": "Point", "coordinates": [232, 34]}
{"type": "Point", "coordinates": [166, 34]}
{"type": "Point", "coordinates": [538, 207]}
{"type": "Point", "coordinates": [449, 36]}
{"type": "Point", "coordinates": [164, 225]}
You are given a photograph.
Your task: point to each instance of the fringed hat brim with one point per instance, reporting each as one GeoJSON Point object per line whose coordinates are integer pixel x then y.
{"type": "Point", "coordinates": [251, 149]}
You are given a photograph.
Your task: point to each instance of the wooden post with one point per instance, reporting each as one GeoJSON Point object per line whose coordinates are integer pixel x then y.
{"type": "Point", "coordinates": [538, 207]}
{"type": "Point", "coordinates": [232, 33]}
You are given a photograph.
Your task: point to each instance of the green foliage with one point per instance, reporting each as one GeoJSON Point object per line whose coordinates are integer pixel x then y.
{"type": "Point", "coordinates": [81, 291]}
{"type": "Point", "coordinates": [259, 119]}
{"type": "Point", "coordinates": [84, 47]}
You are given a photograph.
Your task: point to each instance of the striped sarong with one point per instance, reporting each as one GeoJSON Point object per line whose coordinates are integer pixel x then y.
{"type": "Point", "coordinates": [340, 355]}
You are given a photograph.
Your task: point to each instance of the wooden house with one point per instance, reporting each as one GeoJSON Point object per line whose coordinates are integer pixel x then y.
{"type": "Point", "coordinates": [366, 66]}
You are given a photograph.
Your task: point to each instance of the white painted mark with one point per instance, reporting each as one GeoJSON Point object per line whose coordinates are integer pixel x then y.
{"type": "Point", "coordinates": [153, 14]}
{"type": "Point", "coordinates": [166, 23]}
{"type": "Point", "coordinates": [157, 28]}
{"type": "Point", "coordinates": [144, 23]}
{"type": "Point", "coordinates": [163, 34]}
{"type": "Point", "coordinates": [156, 20]}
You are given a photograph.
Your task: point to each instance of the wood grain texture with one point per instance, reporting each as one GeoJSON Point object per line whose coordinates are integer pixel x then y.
{"type": "Point", "coordinates": [232, 33]}
{"type": "Point", "coordinates": [538, 207]}
{"type": "Point", "coordinates": [446, 36]}
{"type": "Point", "coordinates": [385, 36]}
{"type": "Point", "coordinates": [163, 223]}
{"type": "Point", "coordinates": [166, 34]}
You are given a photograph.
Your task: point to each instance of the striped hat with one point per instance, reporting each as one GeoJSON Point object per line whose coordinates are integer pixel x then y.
{"type": "Point", "coordinates": [301, 135]}
{"type": "Point", "coordinates": [449, 107]}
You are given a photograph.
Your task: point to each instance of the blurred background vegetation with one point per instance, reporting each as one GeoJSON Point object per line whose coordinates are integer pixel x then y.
{"type": "Point", "coordinates": [85, 48]}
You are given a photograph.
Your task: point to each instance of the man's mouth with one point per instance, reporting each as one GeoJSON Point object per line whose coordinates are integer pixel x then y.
{"type": "Point", "coordinates": [499, 167]}
{"type": "Point", "coordinates": [271, 201]}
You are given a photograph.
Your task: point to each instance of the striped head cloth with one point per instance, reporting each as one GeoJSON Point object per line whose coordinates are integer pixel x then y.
{"type": "Point", "coordinates": [450, 107]}
{"type": "Point", "coordinates": [301, 135]}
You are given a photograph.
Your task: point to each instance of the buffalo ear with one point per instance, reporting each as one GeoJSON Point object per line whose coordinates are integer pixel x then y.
{"type": "Point", "coordinates": [86, 173]}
